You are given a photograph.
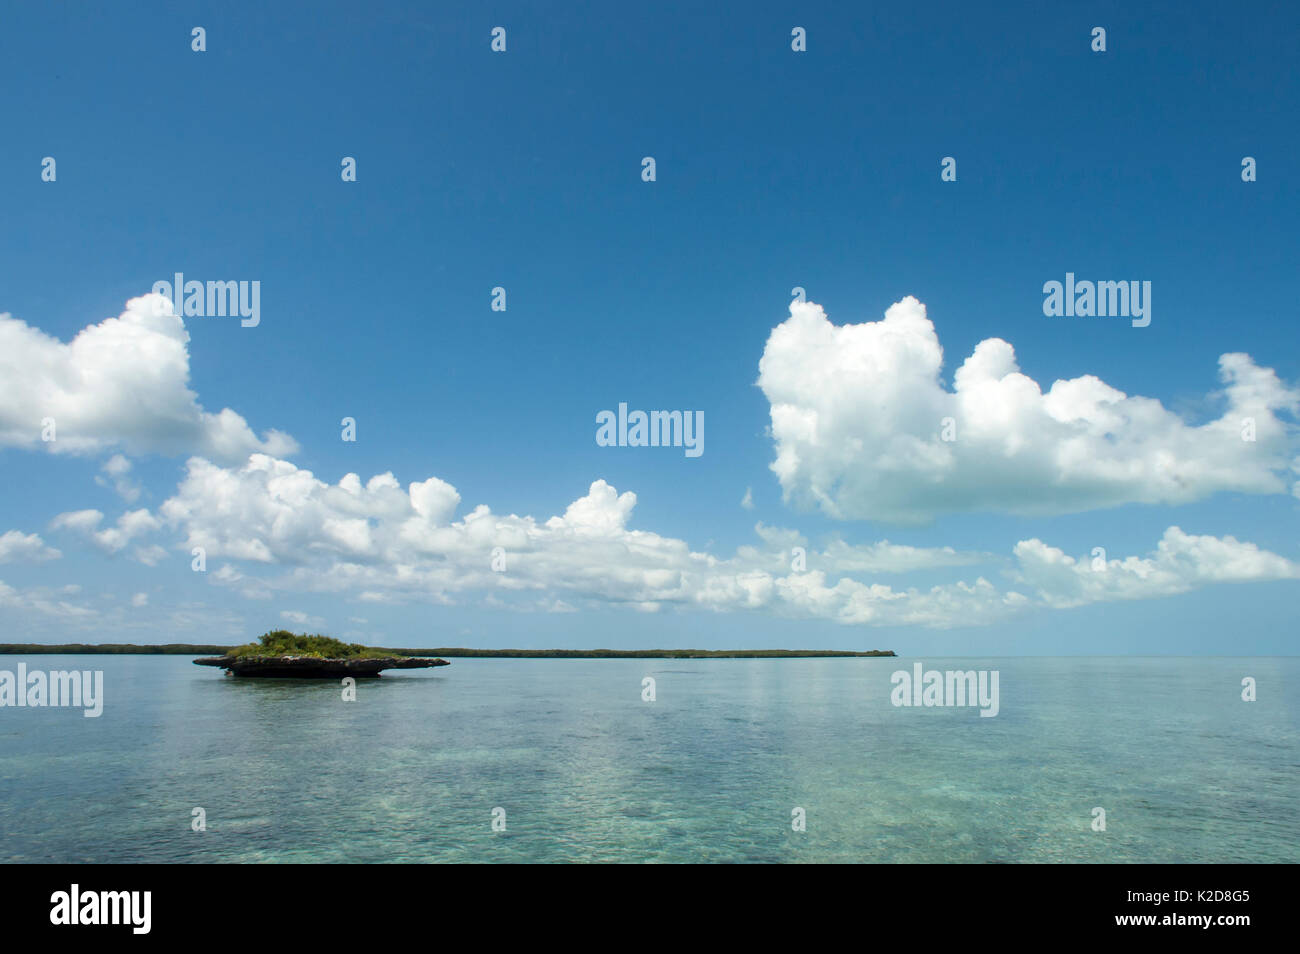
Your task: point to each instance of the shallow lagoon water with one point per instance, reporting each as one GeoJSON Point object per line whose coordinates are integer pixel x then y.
{"type": "Point", "coordinates": [710, 771]}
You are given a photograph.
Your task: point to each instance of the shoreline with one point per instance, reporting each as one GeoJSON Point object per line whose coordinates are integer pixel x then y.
{"type": "Point", "coordinates": [194, 649]}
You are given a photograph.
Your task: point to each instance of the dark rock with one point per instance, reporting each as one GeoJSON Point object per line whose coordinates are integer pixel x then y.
{"type": "Point", "coordinates": [314, 667]}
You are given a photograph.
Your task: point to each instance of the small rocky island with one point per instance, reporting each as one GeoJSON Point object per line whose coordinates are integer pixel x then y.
{"type": "Point", "coordinates": [281, 654]}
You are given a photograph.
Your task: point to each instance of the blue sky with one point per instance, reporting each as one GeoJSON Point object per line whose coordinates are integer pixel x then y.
{"type": "Point", "coordinates": [522, 169]}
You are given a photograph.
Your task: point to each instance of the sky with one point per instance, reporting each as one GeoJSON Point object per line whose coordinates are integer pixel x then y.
{"type": "Point", "coordinates": [910, 454]}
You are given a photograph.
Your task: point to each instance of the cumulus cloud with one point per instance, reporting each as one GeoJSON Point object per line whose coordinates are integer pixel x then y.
{"type": "Point", "coordinates": [82, 521]}
{"type": "Point", "coordinates": [841, 557]}
{"type": "Point", "coordinates": [116, 474]}
{"type": "Point", "coordinates": [859, 414]}
{"type": "Point", "coordinates": [886, 557]}
{"type": "Point", "coordinates": [16, 547]}
{"type": "Point", "coordinates": [46, 601]}
{"type": "Point", "coordinates": [379, 542]}
{"type": "Point", "coordinates": [151, 555]}
{"type": "Point", "coordinates": [248, 587]}
{"type": "Point", "coordinates": [132, 524]}
{"type": "Point", "coordinates": [1181, 562]}
{"type": "Point", "coordinates": [122, 384]}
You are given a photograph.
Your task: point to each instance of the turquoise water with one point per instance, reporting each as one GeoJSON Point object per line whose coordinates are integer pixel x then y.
{"type": "Point", "coordinates": [709, 771]}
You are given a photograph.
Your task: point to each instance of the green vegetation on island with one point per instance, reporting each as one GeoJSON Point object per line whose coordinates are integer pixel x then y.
{"type": "Point", "coordinates": [282, 654]}
{"type": "Point", "coordinates": [281, 642]}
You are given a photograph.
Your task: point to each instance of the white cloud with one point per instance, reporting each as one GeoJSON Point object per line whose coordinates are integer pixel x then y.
{"type": "Point", "coordinates": [82, 521]}
{"type": "Point", "coordinates": [299, 618]}
{"type": "Point", "coordinates": [858, 417]}
{"type": "Point", "coordinates": [122, 384]}
{"type": "Point", "coordinates": [16, 547]}
{"type": "Point", "coordinates": [117, 466]}
{"type": "Point", "coordinates": [132, 524]}
{"type": "Point", "coordinates": [886, 557]}
{"type": "Point", "coordinates": [376, 542]}
{"type": "Point", "coordinates": [748, 500]}
{"type": "Point", "coordinates": [1181, 562]}
{"type": "Point", "coordinates": [140, 599]}
{"type": "Point", "coordinates": [116, 470]}
{"type": "Point", "coordinates": [46, 602]}
{"type": "Point", "coordinates": [248, 587]}
{"type": "Point", "coordinates": [841, 557]}
{"type": "Point", "coordinates": [151, 555]}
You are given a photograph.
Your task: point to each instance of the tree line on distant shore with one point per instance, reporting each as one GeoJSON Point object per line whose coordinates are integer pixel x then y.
{"type": "Point", "coordinates": [641, 653]}
{"type": "Point", "coordinates": [193, 649]}
{"type": "Point", "coordinates": [111, 649]}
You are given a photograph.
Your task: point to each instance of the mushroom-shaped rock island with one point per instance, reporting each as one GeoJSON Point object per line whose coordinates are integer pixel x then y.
{"type": "Point", "coordinates": [283, 654]}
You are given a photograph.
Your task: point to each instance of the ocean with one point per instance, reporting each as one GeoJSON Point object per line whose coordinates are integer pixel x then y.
{"type": "Point", "coordinates": [552, 760]}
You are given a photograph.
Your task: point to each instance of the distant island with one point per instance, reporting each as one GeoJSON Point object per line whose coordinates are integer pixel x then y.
{"type": "Point", "coordinates": [646, 653]}
{"type": "Point", "coordinates": [203, 649]}
{"type": "Point", "coordinates": [282, 654]}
